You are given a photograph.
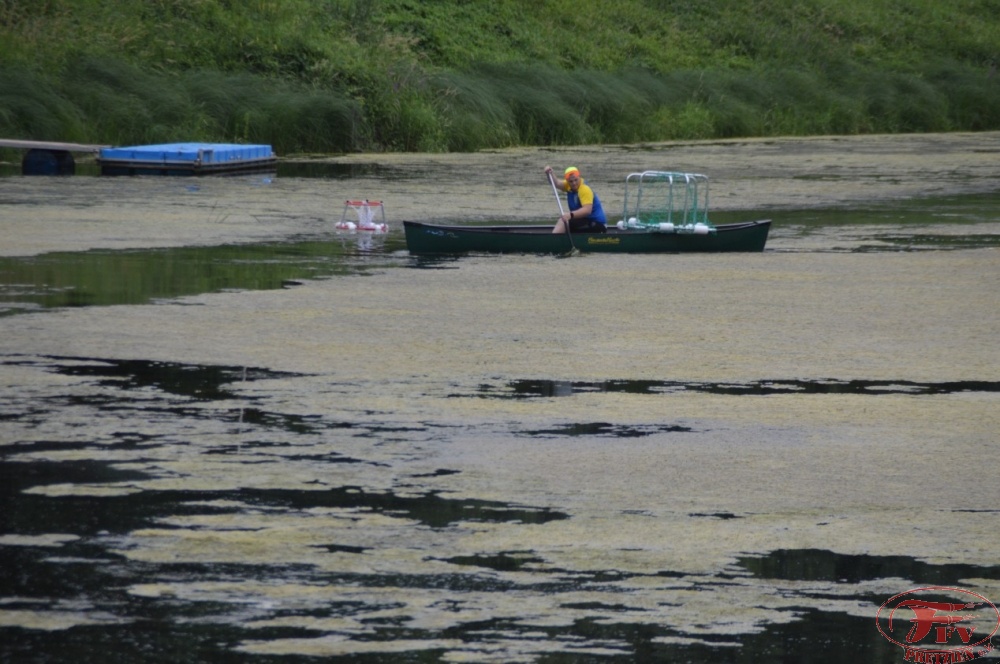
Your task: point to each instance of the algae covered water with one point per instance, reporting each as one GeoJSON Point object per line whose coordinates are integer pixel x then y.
{"type": "Point", "coordinates": [230, 433]}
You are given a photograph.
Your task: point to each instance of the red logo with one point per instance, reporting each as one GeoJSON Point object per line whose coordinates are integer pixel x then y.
{"type": "Point", "coordinates": [939, 625]}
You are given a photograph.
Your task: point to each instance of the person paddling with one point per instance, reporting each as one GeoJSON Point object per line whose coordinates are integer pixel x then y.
{"type": "Point", "coordinates": [585, 212]}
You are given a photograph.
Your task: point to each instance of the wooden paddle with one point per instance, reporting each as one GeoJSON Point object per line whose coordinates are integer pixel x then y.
{"type": "Point", "coordinates": [552, 181]}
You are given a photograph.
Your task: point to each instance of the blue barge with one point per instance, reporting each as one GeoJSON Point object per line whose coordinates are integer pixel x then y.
{"type": "Point", "coordinates": [186, 159]}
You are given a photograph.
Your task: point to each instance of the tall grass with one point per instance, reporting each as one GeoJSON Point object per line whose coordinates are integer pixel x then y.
{"type": "Point", "coordinates": [490, 106]}
{"type": "Point", "coordinates": [109, 101]}
{"type": "Point", "coordinates": [495, 106]}
{"type": "Point", "coordinates": [345, 75]}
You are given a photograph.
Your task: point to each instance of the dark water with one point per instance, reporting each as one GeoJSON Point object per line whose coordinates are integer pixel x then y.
{"type": "Point", "coordinates": [95, 482]}
{"type": "Point", "coordinates": [101, 277]}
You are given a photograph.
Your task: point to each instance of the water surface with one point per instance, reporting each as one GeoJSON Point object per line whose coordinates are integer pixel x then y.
{"type": "Point", "coordinates": [230, 433]}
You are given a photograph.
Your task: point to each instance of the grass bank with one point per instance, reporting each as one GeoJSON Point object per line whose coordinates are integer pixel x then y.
{"type": "Point", "coordinates": [346, 75]}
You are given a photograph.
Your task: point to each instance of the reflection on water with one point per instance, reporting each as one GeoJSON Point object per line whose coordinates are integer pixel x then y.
{"type": "Point", "coordinates": [195, 382]}
{"type": "Point", "coordinates": [545, 388]}
{"type": "Point", "coordinates": [604, 429]}
{"type": "Point", "coordinates": [334, 170]}
{"type": "Point", "coordinates": [934, 242]}
{"type": "Point", "coordinates": [816, 565]}
{"type": "Point", "coordinates": [97, 278]}
{"type": "Point", "coordinates": [927, 224]}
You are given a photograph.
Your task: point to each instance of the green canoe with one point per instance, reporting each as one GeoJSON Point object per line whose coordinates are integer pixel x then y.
{"type": "Point", "coordinates": [424, 238]}
{"type": "Point", "coordinates": [664, 212]}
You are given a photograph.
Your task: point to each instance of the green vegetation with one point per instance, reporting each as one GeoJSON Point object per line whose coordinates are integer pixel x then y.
{"type": "Point", "coordinates": [108, 277]}
{"type": "Point", "coordinates": [459, 75]}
